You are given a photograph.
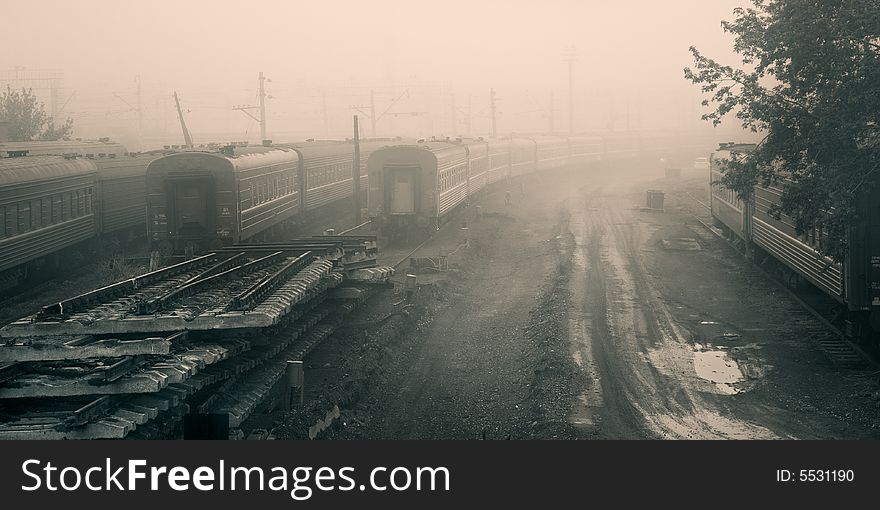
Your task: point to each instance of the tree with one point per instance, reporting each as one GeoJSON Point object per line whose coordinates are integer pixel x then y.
{"type": "Point", "coordinates": [810, 83]}
{"type": "Point", "coordinates": [27, 118]}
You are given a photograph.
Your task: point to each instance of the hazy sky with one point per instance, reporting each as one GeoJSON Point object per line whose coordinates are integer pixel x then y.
{"type": "Point", "coordinates": [629, 52]}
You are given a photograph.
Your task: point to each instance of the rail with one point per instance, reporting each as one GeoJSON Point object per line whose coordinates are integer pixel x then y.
{"type": "Point", "coordinates": [193, 285]}
{"type": "Point", "coordinates": [257, 292]}
{"type": "Point", "coordinates": [121, 288]}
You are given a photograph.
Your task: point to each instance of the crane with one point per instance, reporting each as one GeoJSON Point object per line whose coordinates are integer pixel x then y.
{"type": "Point", "coordinates": [186, 137]}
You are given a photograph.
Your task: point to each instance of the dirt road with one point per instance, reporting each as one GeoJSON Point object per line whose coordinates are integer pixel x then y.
{"type": "Point", "coordinates": [574, 313]}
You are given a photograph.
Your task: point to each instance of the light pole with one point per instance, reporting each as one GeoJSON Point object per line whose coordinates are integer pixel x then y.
{"type": "Point", "coordinates": [570, 55]}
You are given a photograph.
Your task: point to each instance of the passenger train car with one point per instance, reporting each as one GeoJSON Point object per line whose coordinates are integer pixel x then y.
{"type": "Point", "coordinates": [91, 149]}
{"type": "Point", "coordinates": [51, 203]}
{"type": "Point", "coordinates": [419, 185]}
{"type": "Point", "coordinates": [855, 283]}
{"type": "Point", "coordinates": [199, 200]}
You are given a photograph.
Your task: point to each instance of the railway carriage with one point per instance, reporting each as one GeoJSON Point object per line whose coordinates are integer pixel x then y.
{"type": "Point", "coordinates": [855, 283]}
{"type": "Point", "coordinates": [326, 170]}
{"type": "Point", "coordinates": [419, 185]}
{"type": "Point", "coordinates": [478, 165]}
{"type": "Point", "coordinates": [551, 152]}
{"type": "Point", "coordinates": [92, 149]}
{"type": "Point", "coordinates": [523, 156]}
{"type": "Point", "coordinates": [122, 193]}
{"type": "Point", "coordinates": [584, 149]}
{"type": "Point", "coordinates": [499, 160]}
{"type": "Point", "coordinates": [202, 200]}
{"type": "Point", "coordinates": [415, 185]}
{"type": "Point", "coordinates": [46, 206]}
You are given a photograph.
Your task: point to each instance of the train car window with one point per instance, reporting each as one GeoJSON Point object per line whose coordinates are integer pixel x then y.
{"type": "Point", "coordinates": [89, 201]}
{"type": "Point", "coordinates": [11, 220]}
{"type": "Point", "coordinates": [36, 214]}
{"type": "Point", "coordinates": [56, 209]}
{"type": "Point", "coordinates": [46, 208]}
{"type": "Point", "coordinates": [24, 217]}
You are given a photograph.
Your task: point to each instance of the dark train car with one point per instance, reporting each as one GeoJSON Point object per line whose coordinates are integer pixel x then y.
{"type": "Point", "coordinates": [122, 193]}
{"type": "Point", "coordinates": [46, 205]}
{"type": "Point", "coordinates": [92, 149]}
{"type": "Point", "coordinates": [855, 283]}
{"type": "Point", "coordinates": [209, 199]}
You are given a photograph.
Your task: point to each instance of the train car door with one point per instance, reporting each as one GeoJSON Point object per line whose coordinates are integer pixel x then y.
{"type": "Point", "coordinates": [401, 185]}
{"type": "Point", "coordinates": [193, 203]}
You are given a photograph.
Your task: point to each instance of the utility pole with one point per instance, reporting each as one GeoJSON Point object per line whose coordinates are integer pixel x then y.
{"type": "Point", "coordinates": [324, 108]}
{"type": "Point", "coordinates": [36, 79]}
{"type": "Point", "coordinates": [468, 124]}
{"type": "Point", "coordinates": [140, 111]}
{"type": "Point", "coordinates": [493, 110]}
{"type": "Point", "coordinates": [261, 107]}
{"type": "Point", "coordinates": [356, 172]}
{"type": "Point", "coordinates": [570, 55]}
{"type": "Point", "coordinates": [454, 120]}
{"type": "Point", "coordinates": [551, 112]}
{"type": "Point", "coordinates": [372, 114]}
{"type": "Point", "coordinates": [186, 137]}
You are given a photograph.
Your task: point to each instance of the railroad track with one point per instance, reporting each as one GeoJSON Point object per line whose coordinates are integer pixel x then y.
{"type": "Point", "coordinates": [211, 336]}
{"type": "Point", "coordinates": [830, 339]}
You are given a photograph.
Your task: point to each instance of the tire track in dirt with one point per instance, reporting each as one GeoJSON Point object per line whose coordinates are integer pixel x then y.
{"type": "Point", "coordinates": [639, 359]}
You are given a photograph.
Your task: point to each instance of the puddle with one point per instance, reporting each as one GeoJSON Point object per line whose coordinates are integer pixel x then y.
{"type": "Point", "coordinates": [680, 244]}
{"type": "Point", "coordinates": [717, 367]}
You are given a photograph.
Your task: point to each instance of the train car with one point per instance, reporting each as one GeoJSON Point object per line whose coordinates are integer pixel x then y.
{"type": "Point", "coordinates": [326, 171]}
{"type": "Point", "coordinates": [416, 185]}
{"type": "Point", "coordinates": [478, 165]}
{"type": "Point", "coordinates": [728, 211]}
{"type": "Point", "coordinates": [92, 149]}
{"type": "Point", "coordinates": [499, 160]}
{"type": "Point", "coordinates": [551, 152]}
{"type": "Point", "coordinates": [855, 283]}
{"type": "Point", "coordinates": [584, 149]}
{"type": "Point", "coordinates": [122, 193]}
{"type": "Point", "coordinates": [202, 200]}
{"type": "Point", "coordinates": [46, 205]}
{"type": "Point", "coordinates": [523, 156]}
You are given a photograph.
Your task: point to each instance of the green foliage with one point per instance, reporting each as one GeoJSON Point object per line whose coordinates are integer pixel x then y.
{"type": "Point", "coordinates": [809, 82]}
{"type": "Point", "coordinates": [27, 118]}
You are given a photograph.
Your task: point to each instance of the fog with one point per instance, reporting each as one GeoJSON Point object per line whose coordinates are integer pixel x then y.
{"type": "Point", "coordinates": [324, 59]}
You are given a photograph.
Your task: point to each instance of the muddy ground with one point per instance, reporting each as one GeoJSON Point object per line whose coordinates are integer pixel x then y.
{"type": "Point", "coordinates": [575, 313]}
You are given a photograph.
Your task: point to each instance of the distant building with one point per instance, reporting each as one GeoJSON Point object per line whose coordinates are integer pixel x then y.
{"type": "Point", "coordinates": [4, 131]}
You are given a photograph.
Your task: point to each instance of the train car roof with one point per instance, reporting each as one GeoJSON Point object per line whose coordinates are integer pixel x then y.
{"type": "Point", "coordinates": [242, 158]}
{"type": "Point", "coordinates": [131, 165]}
{"type": "Point", "coordinates": [40, 168]}
{"type": "Point", "coordinates": [60, 147]}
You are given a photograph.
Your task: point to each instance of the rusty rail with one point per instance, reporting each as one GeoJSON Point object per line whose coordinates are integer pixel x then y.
{"type": "Point", "coordinates": [193, 285]}
{"type": "Point", "coordinates": [257, 292]}
{"type": "Point", "coordinates": [121, 288]}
